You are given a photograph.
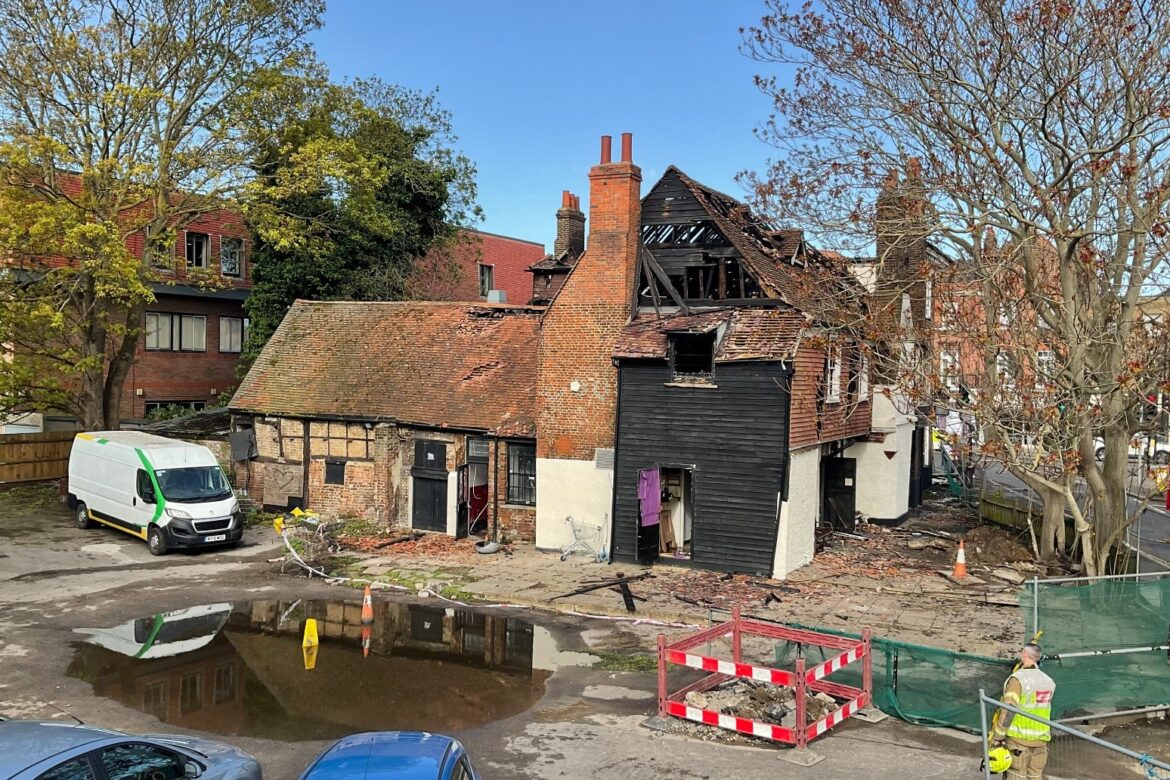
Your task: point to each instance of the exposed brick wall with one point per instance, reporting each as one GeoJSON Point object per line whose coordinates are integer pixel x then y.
{"type": "Point", "coordinates": [580, 328]}
{"type": "Point", "coordinates": [183, 376]}
{"type": "Point", "coordinates": [517, 522]}
{"type": "Point", "coordinates": [509, 258]}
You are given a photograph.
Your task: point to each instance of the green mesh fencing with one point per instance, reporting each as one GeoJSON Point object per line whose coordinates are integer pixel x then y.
{"type": "Point", "coordinates": [924, 685]}
{"type": "Point", "coordinates": [932, 686]}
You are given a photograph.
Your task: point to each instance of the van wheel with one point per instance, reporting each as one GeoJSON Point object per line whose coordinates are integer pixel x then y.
{"type": "Point", "coordinates": [156, 541]}
{"type": "Point", "coordinates": [81, 516]}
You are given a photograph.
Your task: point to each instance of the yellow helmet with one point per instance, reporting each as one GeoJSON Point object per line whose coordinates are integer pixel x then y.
{"type": "Point", "coordinates": [999, 759]}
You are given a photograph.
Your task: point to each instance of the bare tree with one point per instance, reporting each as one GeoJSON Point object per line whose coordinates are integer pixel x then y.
{"type": "Point", "coordinates": [1042, 130]}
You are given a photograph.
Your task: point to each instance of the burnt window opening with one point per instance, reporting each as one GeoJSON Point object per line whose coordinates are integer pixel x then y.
{"type": "Point", "coordinates": [710, 280]}
{"type": "Point", "coordinates": [335, 472]}
{"type": "Point", "coordinates": [692, 355]}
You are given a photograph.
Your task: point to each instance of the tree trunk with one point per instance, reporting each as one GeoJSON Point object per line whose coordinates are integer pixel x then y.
{"type": "Point", "coordinates": [119, 367]}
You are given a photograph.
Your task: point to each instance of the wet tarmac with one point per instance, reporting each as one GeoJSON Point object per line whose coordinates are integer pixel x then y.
{"type": "Point", "coordinates": [240, 669]}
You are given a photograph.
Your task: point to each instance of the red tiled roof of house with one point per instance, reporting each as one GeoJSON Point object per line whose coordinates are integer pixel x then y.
{"type": "Point", "coordinates": [751, 334]}
{"type": "Point", "coordinates": [452, 365]}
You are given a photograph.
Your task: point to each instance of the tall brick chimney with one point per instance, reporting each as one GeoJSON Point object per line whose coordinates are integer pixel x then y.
{"type": "Point", "coordinates": [577, 380]}
{"type": "Point", "coordinates": [570, 227]}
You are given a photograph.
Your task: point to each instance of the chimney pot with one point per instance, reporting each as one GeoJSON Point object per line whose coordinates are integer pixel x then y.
{"type": "Point", "coordinates": [627, 147]}
{"type": "Point", "coordinates": [566, 199]}
{"type": "Point", "coordinates": [606, 149]}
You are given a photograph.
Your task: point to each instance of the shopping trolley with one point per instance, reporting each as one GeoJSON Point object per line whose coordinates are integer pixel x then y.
{"type": "Point", "coordinates": [586, 539]}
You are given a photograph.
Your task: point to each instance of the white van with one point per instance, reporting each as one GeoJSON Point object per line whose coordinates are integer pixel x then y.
{"type": "Point", "coordinates": [171, 493]}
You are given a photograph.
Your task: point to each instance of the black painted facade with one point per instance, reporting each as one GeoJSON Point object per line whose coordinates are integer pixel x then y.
{"type": "Point", "coordinates": [734, 437]}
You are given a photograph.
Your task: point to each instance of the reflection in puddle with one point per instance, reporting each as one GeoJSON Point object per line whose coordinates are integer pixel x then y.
{"type": "Point", "coordinates": [239, 670]}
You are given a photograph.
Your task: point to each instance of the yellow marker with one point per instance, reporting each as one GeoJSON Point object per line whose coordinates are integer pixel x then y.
{"type": "Point", "coordinates": [278, 524]}
{"type": "Point", "coordinates": [310, 633]}
{"type": "Point", "coordinates": [310, 654]}
{"type": "Point", "coordinates": [297, 511]}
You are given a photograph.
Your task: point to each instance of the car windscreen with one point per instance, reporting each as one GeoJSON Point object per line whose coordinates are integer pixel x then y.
{"type": "Point", "coordinates": [201, 483]}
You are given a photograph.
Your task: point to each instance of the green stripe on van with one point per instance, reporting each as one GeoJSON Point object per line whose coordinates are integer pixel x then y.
{"type": "Point", "coordinates": [160, 501]}
{"type": "Point", "coordinates": [154, 629]}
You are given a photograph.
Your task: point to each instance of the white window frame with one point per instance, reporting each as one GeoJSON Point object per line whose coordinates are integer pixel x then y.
{"type": "Point", "coordinates": [863, 379]}
{"type": "Point", "coordinates": [948, 367]}
{"type": "Point", "coordinates": [928, 303]}
{"type": "Point", "coordinates": [907, 319]}
{"type": "Point", "coordinates": [175, 325]}
{"type": "Point", "coordinates": [1045, 367]}
{"type": "Point", "coordinates": [205, 256]}
{"type": "Point", "coordinates": [229, 339]}
{"type": "Point", "coordinates": [231, 250]}
{"type": "Point", "coordinates": [833, 375]}
{"type": "Point", "coordinates": [162, 259]}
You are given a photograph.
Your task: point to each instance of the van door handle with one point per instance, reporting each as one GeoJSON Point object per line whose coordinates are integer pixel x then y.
{"type": "Point", "coordinates": [134, 501]}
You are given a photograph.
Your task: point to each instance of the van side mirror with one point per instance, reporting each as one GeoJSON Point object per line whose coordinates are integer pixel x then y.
{"type": "Point", "coordinates": [191, 769]}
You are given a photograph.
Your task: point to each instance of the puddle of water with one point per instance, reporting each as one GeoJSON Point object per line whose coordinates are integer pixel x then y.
{"type": "Point", "coordinates": [238, 669]}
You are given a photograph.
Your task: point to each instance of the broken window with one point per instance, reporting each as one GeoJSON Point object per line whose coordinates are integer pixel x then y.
{"type": "Point", "coordinates": [522, 474]}
{"type": "Point", "coordinates": [198, 249]}
{"type": "Point", "coordinates": [692, 355]}
{"type": "Point", "coordinates": [485, 280]}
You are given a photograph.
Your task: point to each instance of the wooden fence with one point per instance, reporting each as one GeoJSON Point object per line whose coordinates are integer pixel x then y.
{"type": "Point", "coordinates": [31, 457]}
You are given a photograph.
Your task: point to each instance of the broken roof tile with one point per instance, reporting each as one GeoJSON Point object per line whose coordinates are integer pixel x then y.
{"type": "Point", "coordinates": [453, 365]}
{"type": "Point", "coordinates": [751, 334]}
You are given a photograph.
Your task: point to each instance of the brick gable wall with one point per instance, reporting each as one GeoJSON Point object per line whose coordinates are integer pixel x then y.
{"type": "Point", "coordinates": [580, 329]}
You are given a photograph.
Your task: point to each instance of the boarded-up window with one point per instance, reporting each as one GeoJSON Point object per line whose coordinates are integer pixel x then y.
{"type": "Point", "coordinates": [335, 472]}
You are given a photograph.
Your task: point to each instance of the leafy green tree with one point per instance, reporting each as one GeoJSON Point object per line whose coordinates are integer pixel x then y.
{"type": "Point", "coordinates": [353, 186]}
{"type": "Point", "coordinates": [117, 118]}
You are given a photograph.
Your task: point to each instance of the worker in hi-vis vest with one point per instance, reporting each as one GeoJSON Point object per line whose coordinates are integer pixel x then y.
{"type": "Point", "coordinates": [1029, 690]}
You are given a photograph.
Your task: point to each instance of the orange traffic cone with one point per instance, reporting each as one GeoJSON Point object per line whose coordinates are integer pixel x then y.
{"type": "Point", "coordinates": [366, 631]}
{"type": "Point", "coordinates": [960, 562]}
{"type": "Point", "coordinates": [367, 607]}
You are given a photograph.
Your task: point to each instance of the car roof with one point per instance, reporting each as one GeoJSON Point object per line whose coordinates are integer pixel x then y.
{"type": "Point", "coordinates": [401, 755]}
{"type": "Point", "coordinates": [25, 742]}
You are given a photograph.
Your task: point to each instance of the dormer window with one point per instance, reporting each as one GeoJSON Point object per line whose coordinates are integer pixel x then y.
{"type": "Point", "coordinates": [692, 356]}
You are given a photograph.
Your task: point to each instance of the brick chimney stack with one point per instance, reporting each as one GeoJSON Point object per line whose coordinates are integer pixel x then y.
{"type": "Point", "coordinates": [570, 227]}
{"type": "Point", "coordinates": [577, 384]}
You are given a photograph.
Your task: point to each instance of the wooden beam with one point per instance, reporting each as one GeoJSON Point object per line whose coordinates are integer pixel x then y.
{"type": "Point", "coordinates": [650, 262]}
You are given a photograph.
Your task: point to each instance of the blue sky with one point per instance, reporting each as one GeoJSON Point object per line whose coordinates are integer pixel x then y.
{"type": "Point", "coordinates": [534, 85]}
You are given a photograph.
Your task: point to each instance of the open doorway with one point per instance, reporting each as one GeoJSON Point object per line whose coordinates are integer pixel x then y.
{"type": "Point", "coordinates": [477, 486]}
{"type": "Point", "coordinates": [677, 513]}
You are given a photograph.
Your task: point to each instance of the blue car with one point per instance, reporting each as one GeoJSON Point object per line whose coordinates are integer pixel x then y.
{"type": "Point", "coordinates": [393, 755]}
{"type": "Point", "coordinates": [60, 751]}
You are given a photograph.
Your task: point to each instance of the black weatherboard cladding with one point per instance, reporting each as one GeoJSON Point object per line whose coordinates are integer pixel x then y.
{"type": "Point", "coordinates": [734, 438]}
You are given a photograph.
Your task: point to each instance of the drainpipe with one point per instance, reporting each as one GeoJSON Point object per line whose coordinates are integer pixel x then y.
{"type": "Point", "coordinates": [496, 494]}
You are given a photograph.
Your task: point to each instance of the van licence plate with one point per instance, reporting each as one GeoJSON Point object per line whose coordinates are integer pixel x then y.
{"type": "Point", "coordinates": [216, 538]}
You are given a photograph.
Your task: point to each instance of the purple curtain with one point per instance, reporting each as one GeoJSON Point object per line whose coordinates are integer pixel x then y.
{"type": "Point", "coordinates": [649, 496]}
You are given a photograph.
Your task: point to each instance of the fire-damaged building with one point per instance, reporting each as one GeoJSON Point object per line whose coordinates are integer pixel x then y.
{"type": "Point", "coordinates": [683, 388]}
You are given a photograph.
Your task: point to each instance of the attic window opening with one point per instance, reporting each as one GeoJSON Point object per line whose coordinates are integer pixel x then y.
{"type": "Point", "coordinates": [486, 280]}
{"type": "Point", "coordinates": [692, 355]}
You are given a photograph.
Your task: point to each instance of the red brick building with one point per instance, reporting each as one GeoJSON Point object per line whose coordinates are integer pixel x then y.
{"type": "Point", "coordinates": [476, 265]}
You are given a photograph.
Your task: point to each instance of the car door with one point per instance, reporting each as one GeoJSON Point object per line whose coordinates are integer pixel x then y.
{"type": "Point", "coordinates": [143, 502]}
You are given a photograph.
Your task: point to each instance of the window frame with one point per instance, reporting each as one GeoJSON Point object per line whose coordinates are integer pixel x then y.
{"type": "Point", "coordinates": [330, 475]}
{"type": "Point", "coordinates": [832, 377]}
{"type": "Point", "coordinates": [675, 340]}
{"type": "Point", "coordinates": [191, 237]}
{"type": "Point", "coordinates": [238, 247]}
{"type": "Point", "coordinates": [174, 329]}
{"type": "Point", "coordinates": [519, 494]}
{"type": "Point", "coordinates": [243, 321]}
{"type": "Point", "coordinates": [98, 755]}
{"type": "Point", "coordinates": [948, 368]}
{"type": "Point", "coordinates": [490, 278]}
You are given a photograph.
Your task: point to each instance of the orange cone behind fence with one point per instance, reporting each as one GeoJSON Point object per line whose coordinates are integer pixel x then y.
{"type": "Point", "coordinates": [960, 562]}
{"type": "Point", "coordinates": [367, 607]}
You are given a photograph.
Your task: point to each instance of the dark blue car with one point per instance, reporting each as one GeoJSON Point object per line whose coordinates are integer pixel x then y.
{"type": "Point", "coordinates": [393, 755]}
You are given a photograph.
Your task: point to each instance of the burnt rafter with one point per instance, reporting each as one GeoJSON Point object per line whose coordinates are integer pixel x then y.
{"type": "Point", "coordinates": [683, 235]}
{"type": "Point", "coordinates": [660, 278]}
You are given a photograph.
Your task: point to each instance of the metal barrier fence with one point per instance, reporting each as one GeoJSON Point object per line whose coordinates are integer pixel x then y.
{"type": "Point", "coordinates": [802, 679]}
{"type": "Point", "coordinates": [1105, 760]}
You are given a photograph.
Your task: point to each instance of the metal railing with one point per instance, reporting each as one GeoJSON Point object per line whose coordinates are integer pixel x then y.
{"type": "Point", "coordinates": [1147, 763]}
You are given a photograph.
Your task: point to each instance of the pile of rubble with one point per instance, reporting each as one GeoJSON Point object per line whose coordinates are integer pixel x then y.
{"type": "Point", "coordinates": [756, 701]}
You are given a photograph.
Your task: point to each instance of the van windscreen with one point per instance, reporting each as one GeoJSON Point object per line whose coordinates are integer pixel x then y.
{"type": "Point", "coordinates": [203, 483]}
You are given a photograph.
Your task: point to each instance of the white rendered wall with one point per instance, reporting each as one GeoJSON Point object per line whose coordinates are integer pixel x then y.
{"type": "Point", "coordinates": [796, 535]}
{"type": "Point", "coordinates": [571, 487]}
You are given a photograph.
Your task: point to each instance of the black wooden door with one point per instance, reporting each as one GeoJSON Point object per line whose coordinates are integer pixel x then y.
{"type": "Point", "coordinates": [839, 488]}
{"type": "Point", "coordinates": [430, 486]}
{"type": "Point", "coordinates": [916, 467]}
{"type": "Point", "coordinates": [647, 542]}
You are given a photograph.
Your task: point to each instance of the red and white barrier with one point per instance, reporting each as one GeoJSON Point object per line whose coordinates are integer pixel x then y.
{"type": "Point", "coordinates": [801, 680]}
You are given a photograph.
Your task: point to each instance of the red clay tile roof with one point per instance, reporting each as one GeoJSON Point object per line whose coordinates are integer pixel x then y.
{"type": "Point", "coordinates": [453, 365]}
{"type": "Point", "coordinates": [751, 334]}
